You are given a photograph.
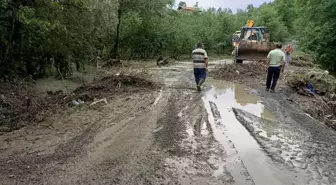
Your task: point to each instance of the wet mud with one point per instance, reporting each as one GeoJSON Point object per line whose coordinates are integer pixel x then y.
{"type": "Point", "coordinates": [223, 99]}
{"type": "Point", "coordinates": [227, 134]}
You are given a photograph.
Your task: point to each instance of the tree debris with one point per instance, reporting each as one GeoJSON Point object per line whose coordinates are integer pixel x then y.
{"type": "Point", "coordinates": [21, 104]}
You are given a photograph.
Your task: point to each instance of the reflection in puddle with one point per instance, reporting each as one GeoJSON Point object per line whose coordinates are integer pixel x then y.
{"type": "Point", "coordinates": [219, 101]}
{"type": "Point", "coordinates": [234, 95]}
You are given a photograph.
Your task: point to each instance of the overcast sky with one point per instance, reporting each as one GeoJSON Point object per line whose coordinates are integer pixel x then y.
{"type": "Point", "coordinates": [233, 4]}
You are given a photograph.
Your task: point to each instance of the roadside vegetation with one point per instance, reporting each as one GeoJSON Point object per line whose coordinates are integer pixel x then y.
{"type": "Point", "coordinates": [40, 35]}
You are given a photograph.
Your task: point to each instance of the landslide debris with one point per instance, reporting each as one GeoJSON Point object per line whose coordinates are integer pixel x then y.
{"type": "Point", "coordinates": [239, 72]}
{"type": "Point", "coordinates": [302, 60]}
{"type": "Point", "coordinates": [322, 82]}
{"type": "Point", "coordinates": [321, 99]}
{"type": "Point", "coordinates": [21, 104]}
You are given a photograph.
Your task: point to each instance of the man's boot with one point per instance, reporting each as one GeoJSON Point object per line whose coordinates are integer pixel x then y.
{"type": "Point", "coordinates": [199, 85]}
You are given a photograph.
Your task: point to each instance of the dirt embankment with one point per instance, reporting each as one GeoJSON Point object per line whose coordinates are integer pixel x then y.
{"type": "Point", "coordinates": [320, 99]}
{"type": "Point", "coordinates": [240, 73]}
{"type": "Point", "coordinates": [320, 102]}
{"type": "Point", "coordinates": [22, 104]}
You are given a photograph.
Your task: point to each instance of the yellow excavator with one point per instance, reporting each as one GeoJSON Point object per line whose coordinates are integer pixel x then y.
{"type": "Point", "coordinates": [251, 44]}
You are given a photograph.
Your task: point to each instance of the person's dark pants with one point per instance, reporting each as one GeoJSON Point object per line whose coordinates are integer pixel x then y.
{"type": "Point", "coordinates": [200, 75]}
{"type": "Point", "coordinates": [272, 77]}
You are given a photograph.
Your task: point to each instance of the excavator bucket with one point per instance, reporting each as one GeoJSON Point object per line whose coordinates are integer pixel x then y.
{"type": "Point", "coordinates": [253, 45]}
{"type": "Point", "coordinates": [254, 50]}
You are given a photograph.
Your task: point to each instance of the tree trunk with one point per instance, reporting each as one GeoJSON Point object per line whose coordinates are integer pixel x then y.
{"type": "Point", "coordinates": [10, 36]}
{"type": "Point", "coordinates": [115, 51]}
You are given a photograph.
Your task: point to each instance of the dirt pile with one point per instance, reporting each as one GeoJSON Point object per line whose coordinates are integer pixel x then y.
{"type": "Point", "coordinates": [21, 104]}
{"type": "Point", "coordinates": [239, 72]}
{"type": "Point", "coordinates": [302, 60]}
{"type": "Point", "coordinates": [322, 83]}
{"type": "Point", "coordinates": [322, 93]}
{"type": "Point", "coordinates": [108, 86]}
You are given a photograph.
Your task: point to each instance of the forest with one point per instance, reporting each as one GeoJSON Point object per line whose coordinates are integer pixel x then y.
{"type": "Point", "coordinates": [37, 35]}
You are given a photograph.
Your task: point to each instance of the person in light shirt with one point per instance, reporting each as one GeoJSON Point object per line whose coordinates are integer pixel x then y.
{"type": "Point", "coordinates": [200, 61]}
{"type": "Point", "coordinates": [276, 61]}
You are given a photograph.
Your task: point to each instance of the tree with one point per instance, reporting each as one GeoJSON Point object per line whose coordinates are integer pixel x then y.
{"type": "Point", "coordinates": [38, 35]}
{"type": "Point", "coordinates": [182, 4]}
{"type": "Point", "coordinates": [316, 25]}
{"type": "Point", "coordinates": [266, 15]}
{"type": "Point", "coordinates": [140, 6]}
{"type": "Point", "coordinates": [286, 9]}
{"type": "Point", "coordinates": [250, 8]}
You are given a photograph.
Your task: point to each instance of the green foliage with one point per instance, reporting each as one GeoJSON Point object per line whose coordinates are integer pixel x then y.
{"type": "Point", "coordinates": [287, 13]}
{"type": "Point", "coordinates": [317, 27]}
{"type": "Point", "coordinates": [38, 35]}
{"type": "Point", "coordinates": [267, 15]}
{"type": "Point", "coordinates": [43, 33]}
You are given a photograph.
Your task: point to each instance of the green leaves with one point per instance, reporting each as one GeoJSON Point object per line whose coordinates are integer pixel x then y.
{"type": "Point", "coordinates": [267, 15]}
{"type": "Point", "coordinates": [36, 35]}
{"type": "Point", "coordinates": [316, 30]}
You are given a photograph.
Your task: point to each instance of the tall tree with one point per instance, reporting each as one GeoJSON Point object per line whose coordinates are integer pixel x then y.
{"type": "Point", "coordinates": [266, 15]}
{"type": "Point", "coordinates": [182, 4]}
{"type": "Point", "coordinates": [140, 6]}
{"type": "Point", "coordinates": [316, 25]}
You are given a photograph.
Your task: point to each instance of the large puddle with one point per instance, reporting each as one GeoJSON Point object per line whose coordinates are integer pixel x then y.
{"type": "Point", "coordinates": [219, 101]}
{"type": "Point", "coordinates": [230, 95]}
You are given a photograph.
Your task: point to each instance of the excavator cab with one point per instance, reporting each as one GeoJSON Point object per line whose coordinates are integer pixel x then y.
{"type": "Point", "coordinates": [236, 38]}
{"type": "Point", "coordinates": [253, 33]}
{"type": "Point", "coordinates": [253, 44]}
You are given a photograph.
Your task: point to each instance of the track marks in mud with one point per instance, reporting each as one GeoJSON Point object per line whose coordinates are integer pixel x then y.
{"type": "Point", "coordinates": [233, 162]}
{"type": "Point", "coordinates": [293, 148]}
{"type": "Point", "coordinates": [215, 113]}
{"type": "Point", "coordinates": [202, 159]}
{"type": "Point", "coordinates": [169, 133]}
{"type": "Point", "coordinates": [76, 153]}
{"type": "Point", "coordinates": [269, 139]}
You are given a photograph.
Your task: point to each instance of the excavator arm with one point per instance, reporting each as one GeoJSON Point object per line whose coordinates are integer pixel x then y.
{"type": "Point", "coordinates": [250, 23]}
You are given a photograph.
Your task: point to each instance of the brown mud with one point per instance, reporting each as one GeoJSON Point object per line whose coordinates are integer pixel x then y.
{"type": "Point", "coordinates": [240, 73]}
{"type": "Point", "coordinates": [227, 134]}
{"type": "Point", "coordinates": [292, 84]}
{"type": "Point", "coordinates": [22, 104]}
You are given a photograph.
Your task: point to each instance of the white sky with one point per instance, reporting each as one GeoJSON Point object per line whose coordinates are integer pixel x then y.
{"type": "Point", "coordinates": [233, 4]}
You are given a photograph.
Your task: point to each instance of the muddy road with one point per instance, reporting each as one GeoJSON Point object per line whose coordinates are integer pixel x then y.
{"type": "Point", "coordinates": [226, 134]}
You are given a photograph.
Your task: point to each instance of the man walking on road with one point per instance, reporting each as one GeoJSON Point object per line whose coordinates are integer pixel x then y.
{"type": "Point", "coordinates": [276, 61]}
{"type": "Point", "coordinates": [200, 60]}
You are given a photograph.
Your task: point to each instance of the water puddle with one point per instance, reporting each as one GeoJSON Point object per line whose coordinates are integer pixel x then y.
{"type": "Point", "coordinates": [219, 101]}
{"type": "Point", "coordinates": [230, 95]}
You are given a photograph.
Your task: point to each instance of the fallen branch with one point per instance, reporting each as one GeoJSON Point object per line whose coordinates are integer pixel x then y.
{"type": "Point", "coordinates": [98, 101]}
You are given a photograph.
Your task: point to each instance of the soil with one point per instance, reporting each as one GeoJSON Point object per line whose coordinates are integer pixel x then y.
{"type": "Point", "coordinates": [22, 104]}
{"type": "Point", "coordinates": [302, 60]}
{"type": "Point", "coordinates": [230, 133]}
{"type": "Point", "coordinates": [292, 84]}
{"type": "Point", "coordinates": [240, 73]}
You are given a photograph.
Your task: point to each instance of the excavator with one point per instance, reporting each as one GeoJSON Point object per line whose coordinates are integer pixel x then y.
{"type": "Point", "coordinates": [251, 43]}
